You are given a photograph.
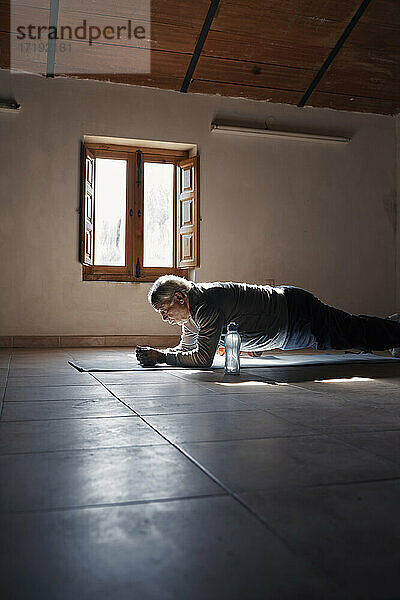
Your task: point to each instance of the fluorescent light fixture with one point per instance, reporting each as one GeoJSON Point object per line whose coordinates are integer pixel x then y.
{"type": "Point", "coordinates": [9, 105]}
{"type": "Point", "coordinates": [286, 135]}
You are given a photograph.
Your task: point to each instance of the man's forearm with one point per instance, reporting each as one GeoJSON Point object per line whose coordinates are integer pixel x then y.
{"type": "Point", "coordinates": [193, 358]}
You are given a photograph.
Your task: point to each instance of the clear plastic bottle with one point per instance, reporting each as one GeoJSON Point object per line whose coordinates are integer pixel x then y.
{"type": "Point", "coordinates": [232, 350]}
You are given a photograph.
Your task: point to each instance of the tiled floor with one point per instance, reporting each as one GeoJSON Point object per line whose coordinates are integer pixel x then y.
{"type": "Point", "coordinates": [173, 485]}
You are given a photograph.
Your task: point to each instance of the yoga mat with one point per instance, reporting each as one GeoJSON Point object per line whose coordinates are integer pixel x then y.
{"type": "Point", "coordinates": [129, 363]}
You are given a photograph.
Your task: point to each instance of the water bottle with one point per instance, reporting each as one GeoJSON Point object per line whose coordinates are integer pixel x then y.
{"type": "Point", "coordinates": [232, 350]}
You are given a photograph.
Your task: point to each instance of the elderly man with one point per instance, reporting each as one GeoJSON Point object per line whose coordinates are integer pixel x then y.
{"type": "Point", "coordinates": [283, 317]}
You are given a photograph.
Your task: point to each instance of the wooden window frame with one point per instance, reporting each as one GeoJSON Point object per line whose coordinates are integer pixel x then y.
{"type": "Point", "coordinates": [134, 214]}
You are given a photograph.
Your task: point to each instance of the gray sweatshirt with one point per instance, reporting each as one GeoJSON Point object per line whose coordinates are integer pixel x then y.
{"type": "Point", "coordinates": [260, 311]}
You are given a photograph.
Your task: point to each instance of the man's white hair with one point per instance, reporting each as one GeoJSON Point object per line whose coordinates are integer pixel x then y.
{"type": "Point", "coordinates": [163, 290]}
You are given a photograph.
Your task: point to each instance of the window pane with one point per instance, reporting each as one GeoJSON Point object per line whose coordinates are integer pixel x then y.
{"type": "Point", "coordinates": [110, 212]}
{"type": "Point", "coordinates": [158, 215]}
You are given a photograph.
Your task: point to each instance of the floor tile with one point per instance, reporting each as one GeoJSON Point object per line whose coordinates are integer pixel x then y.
{"type": "Point", "coordinates": [134, 377]}
{"type": "Point", "coordinates": [157, 389]}
{"type": "Point", "coordinates": [222, 426]}
{"type": "Point", "coordinates": [296, 461]}
{"type": "Point", "coordinates": [184, 404]}
{"type": "Point", "coordinates": [207, 548]}
{"type": "Point", "coordinates": [64, 409]}
{"type": "Point", "coordinates": [286, 397]}
{"type": "Point", "coordinates": [88, 477]}
{"type": "Point", "coordinates": [70, 434]}
{"type": "Point", "coordinates": [40, 371]}
{"type": "Point", "coordinates": [343, 529]}
{"type": "Point", "coordinates": [381, 443]}
{"type": "Point", "coordinates": [211, 376]}
{"type": "Point", "coordinates": [338, 417]}
{"type": "Point", "coordinates": [51, 380]}
{"type": "Point", "coordinates": [65, 392]}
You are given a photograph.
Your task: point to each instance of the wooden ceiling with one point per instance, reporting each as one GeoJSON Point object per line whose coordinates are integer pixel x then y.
{"type": "Point", "coordinates": [268, 50]}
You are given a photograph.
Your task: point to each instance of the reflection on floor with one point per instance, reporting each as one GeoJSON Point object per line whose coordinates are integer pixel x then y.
{"type": "Point", "coordinates": [188, 484]}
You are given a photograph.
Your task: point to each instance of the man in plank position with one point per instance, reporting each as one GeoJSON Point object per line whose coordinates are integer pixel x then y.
{"type": "Point", "coordinates": [268, 318]}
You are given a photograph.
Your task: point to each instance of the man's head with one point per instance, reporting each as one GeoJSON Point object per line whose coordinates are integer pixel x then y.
{"type": "Point", "coordinates": [169, 296]}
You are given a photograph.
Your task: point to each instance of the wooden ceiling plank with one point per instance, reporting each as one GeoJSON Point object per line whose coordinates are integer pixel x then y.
{"type": "Point", "coordinates": [175, 13]}
{"type": "Point", "coordinates": [242, 91]}
{"type": "Point", "coordinates": [180, 12]}
{"type": "Point", "coordinates": [354, 103]}
{"type": "Point", "coordinates": [318, 99]}
{"type": "Point", "coordinates": [270, 50]}
{"type": "Point", "coordinates": [372, 61]}
{"type": "Point", "coordinates": [253, 74]}
{"type": "Point", "coordinates": [156, 81]}
{"type": "Point", "coordinates": [366, 35]}
{"type": "Point", "coordinates": [254, 16]}
{"type": "Point", "coordinates": [169, 12]}
{"type": "Point", "coordinates": [380, 12]}
{"type": "Point", "coordinates": [383, 12]}
{"type": "Point", "coordinates": [367, 83]}
{"type": "Point", "coordinates": [163, 64]}
{"type": "Point", "coordinates": [170, 38]}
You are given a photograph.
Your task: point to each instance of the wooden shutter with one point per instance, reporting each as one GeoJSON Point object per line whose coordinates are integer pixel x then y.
{"type": "Point", "coordinates": [87, 208]}
{"type": "Point", "coordinates": [188, 215]}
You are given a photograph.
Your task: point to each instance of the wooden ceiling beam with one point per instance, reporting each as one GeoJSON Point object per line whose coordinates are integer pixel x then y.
{"type": "Point", "coordinates": [200, 43]}
{"type": "Point", "coordinates": [353, 22]}
{"type": "Point", "coordinates": [52, 42]}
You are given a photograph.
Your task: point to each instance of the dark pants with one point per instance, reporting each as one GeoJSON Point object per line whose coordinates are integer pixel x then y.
{"type": "Point", "coordinates": [313, 324]}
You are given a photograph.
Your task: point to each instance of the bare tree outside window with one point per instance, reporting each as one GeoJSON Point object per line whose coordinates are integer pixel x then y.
{"type": "Point", "coordinates": [110, 211]}
{"type": "Point", "coordinates": [158, 215]}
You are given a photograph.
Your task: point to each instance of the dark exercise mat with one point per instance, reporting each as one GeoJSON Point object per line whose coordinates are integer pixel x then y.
{"type": "Point", "coordinates": [129, 363]}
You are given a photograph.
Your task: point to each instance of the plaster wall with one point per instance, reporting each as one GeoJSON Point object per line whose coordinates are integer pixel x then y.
{"type": "Point", "coordinates": [315, 215]}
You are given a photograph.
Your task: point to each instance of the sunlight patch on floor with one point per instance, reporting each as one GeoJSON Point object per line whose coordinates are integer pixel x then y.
{"type": "Point", "coordinates": [343, 380]}
{"type": "Point", "coordinates": [243, 383]}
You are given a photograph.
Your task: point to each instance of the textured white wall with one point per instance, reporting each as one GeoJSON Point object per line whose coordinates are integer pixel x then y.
{"type": "Point", "coordinates": [314, 215]}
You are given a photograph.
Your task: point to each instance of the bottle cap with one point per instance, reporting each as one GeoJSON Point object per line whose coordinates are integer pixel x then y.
{"type": "Point", "coordinates": [232, 326]}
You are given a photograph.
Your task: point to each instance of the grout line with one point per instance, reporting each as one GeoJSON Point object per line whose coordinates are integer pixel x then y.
{"type": "Point", "coordinates": [348, 483]}
{"type": "Point", "coordinates": [90, 449]}
{"type": "Point", "coordinates": [68, 419]}
{"type": "Point", "coordinates": [55, 400]}
{"type": "Point", "coordinates": [111, 504]}
{"type": "Point", "coordinates": [35, 387]}
{"type": "Point", "coordinates": [312, 434]}
{"type": "Point", "coordinates": [94, 398]}
{"type": "Point", "coordinates": [194, 412]}
{"type": "Point", "coordinates": [5, 386]}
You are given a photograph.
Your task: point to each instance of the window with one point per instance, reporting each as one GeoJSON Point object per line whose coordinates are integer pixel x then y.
{"type": "Point", "coordinates": [139, 212]}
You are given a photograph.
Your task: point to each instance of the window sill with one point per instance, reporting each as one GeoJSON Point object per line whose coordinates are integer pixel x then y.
{"type": "Point", "coordinates": [119, 277]}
